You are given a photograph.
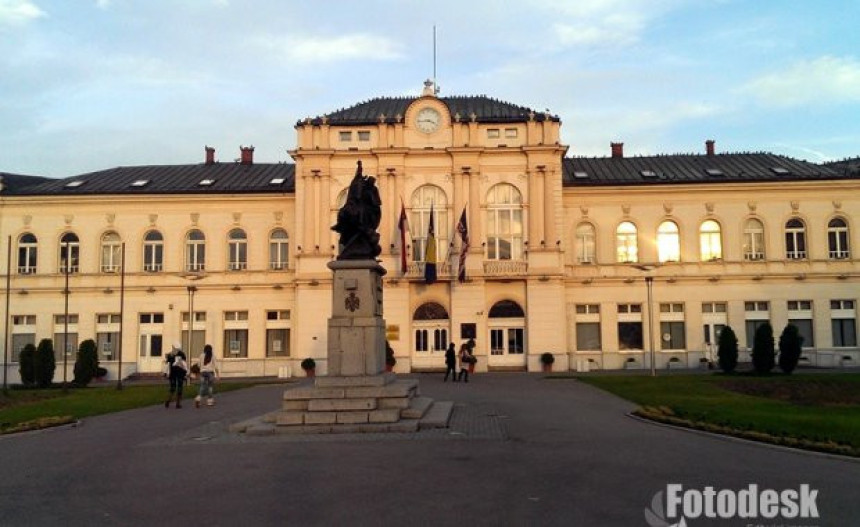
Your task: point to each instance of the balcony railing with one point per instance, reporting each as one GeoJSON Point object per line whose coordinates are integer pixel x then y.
{"type": "Point", "coordinates": [416, 270]}
{"type": "Point", "coordinates": [753, 257]}
{"type": "Point", "coordinates": [505, 267]}
{"type": "Point", "coordinates": [237, 266]}
{"type": "Point", "coordinates": [839, 255]}
{"type": "Point", "coordinates": [152, 267]}
{"type": "Point", "coordinates": [27, 269]}
{"type": "Point", "coordinates": [795, 255]}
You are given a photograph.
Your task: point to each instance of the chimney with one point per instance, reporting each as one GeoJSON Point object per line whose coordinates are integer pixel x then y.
{"type": "Point", "coordinates": [247, 155]}
{"type": "Point", "coordinates": [210, 155]}
{"type": "Point", "coordinates": [617, 150]}
{"type": "Point", "coordinates": [709, 147]}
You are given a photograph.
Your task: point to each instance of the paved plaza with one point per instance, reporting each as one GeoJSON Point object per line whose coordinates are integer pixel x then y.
{"type": "Point", "coordinates": [521, 450]}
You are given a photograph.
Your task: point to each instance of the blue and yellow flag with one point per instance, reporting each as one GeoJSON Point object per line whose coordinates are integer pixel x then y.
{"type": "Point", "coordinates": [430, 252]}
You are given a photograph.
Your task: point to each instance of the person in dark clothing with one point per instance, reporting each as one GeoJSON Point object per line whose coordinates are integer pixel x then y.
{"type": "Point", "coordinates": [450, 363]}
{"type": "Point", "coordinates": [177, 370]}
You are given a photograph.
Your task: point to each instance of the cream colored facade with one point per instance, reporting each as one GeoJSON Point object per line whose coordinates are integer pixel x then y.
{"type": "Point", "coordinates": [503, 175]}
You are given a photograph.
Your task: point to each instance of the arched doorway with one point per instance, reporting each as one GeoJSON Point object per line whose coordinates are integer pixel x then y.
{"type": "Point", "coordinates": [507, 335]}
{"type": "Point", "coordinates": [431, 328]}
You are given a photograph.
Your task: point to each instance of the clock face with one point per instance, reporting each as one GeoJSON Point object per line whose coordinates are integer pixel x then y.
{"type": "Point", "coordinates": [428, 120]}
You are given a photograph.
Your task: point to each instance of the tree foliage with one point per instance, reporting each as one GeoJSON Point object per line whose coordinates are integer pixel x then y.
{"type": "Point", "coordinates": [790, 347]}
{"type": "Point", "coordinates": [727, 350]}
{"type": "Point", "coordinates": [27, 365]}
{"type": "Point", "coordinates": [763, 354]}
{"type": "Point", "coordinates": [87, 362]}
{"type": "Point", "coordinates": [45, 363]}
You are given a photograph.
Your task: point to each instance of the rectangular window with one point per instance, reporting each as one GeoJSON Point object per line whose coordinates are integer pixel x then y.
{"type": "Point", "coordinates": [804, 327]}
{"type": "Point", "coordinates": [61, 319]}
{"type": "Point", "coordinates": [493, 133]}
{"type": "Point", "coordinates": [19, 340]}
{"type": "Point", "coordinates": [672, 308]}
{"type": "Point", "coordinates": [106, 344]}
{"type": "Point", "coordinates": [236, 343]}
{"type": "Point", "coordinates": [278, 342]}
{"type": "Point", "coordinates": [283, 314]}
{"type": "Point", "coordinates": [584, 309]}
{"type": "Point", "coordinates": [630, 336]}
{"type": "Point", "coordinates": [588, 336]}
{"type": "Point", "coordinates": [629, 308]}
{"type": "Point", "coordinates": [345, 136]}
{"type": "Point", "coordinates": [71, 345]}
{"type": "Point", "coordinates": [235, 315]}
{"type": "Point", "coordinates": [511, 132]}
{"type": "Point", "coordinates": [23, 320]}
{"type": "Point", "coordinates": [844, 332]}
{"type": "Point", "coordinates": [672, 336]}
{"type": "Point", "coordinates": [713, 307]}
{"type": "Point", "coordinates": [756, 306]}
{"type": "Point", "coordinates": [751, 327]}
{"type": "Point", "coordinates": [421, 340]}
{"type": "Point", "coordinates": [363, 135]}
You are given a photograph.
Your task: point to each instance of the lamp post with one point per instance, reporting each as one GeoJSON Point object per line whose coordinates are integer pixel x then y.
{"type": "Point", "coordinates": [6, 324]}
{"type": "Point", "coordinates": [649, 287]}
{"type": "Point", "coordinates": [66, 321]}
{"type": "Point", "coordinates": [192, 289]}
{"type": "Point", "coordinates": [121, 318]}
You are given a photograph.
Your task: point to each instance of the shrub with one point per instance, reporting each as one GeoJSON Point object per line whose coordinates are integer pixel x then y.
{"type": "Point", "coordinates": [763, 354]}
{"type": "Point", "coordinates": [790, 344]}
{"type": "Point", "coordinates": [27, 365]}
{"type": "Point", "coordinates": [547, 358]}
{"type": "Point", "coordinates": [101, 372]}
{"type": "Point", "coordinates": [308, 364]}
{"type": "Point", "coordinates": [389, 355]}
{"type": "Point", "coordinates": [87, 362]}
{"type": "Point", "coordinates": [727, 350]}
{"type": "Point", "coordinates": [44, 363]}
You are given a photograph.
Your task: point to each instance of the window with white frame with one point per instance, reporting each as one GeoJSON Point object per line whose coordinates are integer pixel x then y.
{"type": "Point", "coordinates": [153, 252]}
{"type": "Point", "coordinates": [800, 316]}
{"type": "Point", "coordinates": [504, 223]}
{"type": "Point", "coordinates": [710, 241]}
{"type": "Point", "coordinates": [279, 245]}
{"type": "Point", "coordinates": [668, 242]}
{"type": "Point", "coordinates": [756, 313]}
{"type": "Point", "coordinates": [585, 248]}
{"type": "Point", "coordinates": [236, 334]}
{"type": "Point", "coordinates": [23, 333]}
{"type": "Point", "coordinates": [673, 334]}
{"type": "Point", "coordinates": [511, 133]}
{"type": "Point", "coordinates": [65, 336]}
{"type": "Point", "coordinates": [493, 133]}
{"type": "Point", "coordinates": [28, 252]}
{"type": "Point", "coordinates": [753, 246]}
{"type": "Point", "coordinates": [195, 251]}
{"type": "Point", "coordinates": [626, 246]}
{"type": "Point", "coordinates": [70, 252]}
{"type": "Point", "coordinates": [837, 239]}
{"type": "Point", "coordinates": [107, 335]}
{"type": "Point", "coordinates": [151, 336]}
{"type": "Point", "coordinates": [237, 249]}
{"type": "Point", "coordinates": [345, 136]}
{"type": "Point", "coordinates": [843, 316]}
{"type": "Point", "coordinates": [795, 239]}
{"type": "Point", "coordinates": [111, 252]}
{"type": "Point", "coordinates": [630, 327]}
{"type": "Point", "coordinates": [588, 327]}
{"type": "Point", "coordinates": [427, 199]}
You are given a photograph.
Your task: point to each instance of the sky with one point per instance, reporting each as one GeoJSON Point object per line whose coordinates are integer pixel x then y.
{"type": "Point", "coordinates": [87, 85]}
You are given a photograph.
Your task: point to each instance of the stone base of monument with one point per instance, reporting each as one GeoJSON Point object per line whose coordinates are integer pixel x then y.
{"type": "Point", "coordinates": [371, 403]}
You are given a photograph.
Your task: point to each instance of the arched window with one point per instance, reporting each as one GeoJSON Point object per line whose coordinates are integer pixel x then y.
{"type": "Point", "coordinates": [111, 252]}
{"type": "Point", "coordinates": [279, 244]}
{"type": "Point", "coordinates": [710, 241]}
{"type": "Point", "coordinates": [429, 334]}
{"type": "Point", "coordinates": [195, 251]}
{"type": "Point", "coordinates": [506, 309]}
{"type": "Point", "coordinates": [668, 242]}
{"type": "Point", "coordinates": [795, 239]}
{"type": "Point", "coordinates": [753, 240]}
{"type": "Point", "coordinates": [425, 199]}
{"type": "Point", "coordinates": [153, 252]}
{"type": "Point", "coordinates": [837, 239]}
{"type": "Point", "coordinates": [70, 252]}
{"type": "Point", "coordinates": [585, 243]}
{"type": "Point", "coordinates": [504, 223]}
{"type": "Point", "coordinates": [237, 250]}
{"type": "Point", "coordinates": [507, 336]}
{"type": "Point", "coordinates": [626, 248]}
{"type": "Point", "coordinates": [28, 252]}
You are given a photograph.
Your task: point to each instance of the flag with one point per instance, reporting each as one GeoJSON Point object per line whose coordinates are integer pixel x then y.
{"type": "Point", "coordinates": [463, 229]}
{"type": "Point", "coordinates": [403, 225]}
{"type": "Point", "coordinates": [430, 252]}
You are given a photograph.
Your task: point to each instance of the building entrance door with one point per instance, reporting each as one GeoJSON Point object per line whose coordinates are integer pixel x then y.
{"type": "Point", "coordinates": [151, 356]}
{"type": "Point", "coordinates": [507, 347]}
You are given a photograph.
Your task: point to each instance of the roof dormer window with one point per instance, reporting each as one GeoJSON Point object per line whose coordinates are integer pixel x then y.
{"type": "Point", "coordinates": [75, 184]}
{"type": "Point", "coordinates": [206, 182]}
{"type": "Point", "coordinates": [140, 183]}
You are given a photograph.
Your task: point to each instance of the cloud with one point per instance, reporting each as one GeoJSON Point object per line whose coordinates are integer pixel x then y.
{"type": "Point", "coordinates": [19, 11]}
{"type": "Point", "coordinates": [825, 80]}
{"type": "Point", "coordinates": [359, 46]}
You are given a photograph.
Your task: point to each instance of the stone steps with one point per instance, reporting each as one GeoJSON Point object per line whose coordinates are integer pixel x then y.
{"type": "Point", "coordinates": [437, 416]}
{"type": "Point", "coordinates": [418, 406]}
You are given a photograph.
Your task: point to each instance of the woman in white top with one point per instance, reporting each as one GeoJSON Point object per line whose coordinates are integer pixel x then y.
{"type": "Point", "coordinates": [208, 374]}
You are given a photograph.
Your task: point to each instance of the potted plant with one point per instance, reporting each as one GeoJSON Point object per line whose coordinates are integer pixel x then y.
{"type": "Point", "coordinates": [546, 360]}
{"type": "Point", "coordinates": [390, 361]}
{"type": "Point", "coordinates": [310, 367]}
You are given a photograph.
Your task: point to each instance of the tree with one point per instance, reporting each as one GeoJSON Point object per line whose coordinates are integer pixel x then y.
{"type": "Point", "coordinates": [763, 354]}
{"type": "Point", "coordinates": [727, 350]}
{"type": "Point", "coordinates": [45, 363]}
{"type": "Point", "coordinates": [790, 347]}
{"type": "Point", "coordinates": [87, 363]}
{"type": "Point", "coordinates": [27, 365]}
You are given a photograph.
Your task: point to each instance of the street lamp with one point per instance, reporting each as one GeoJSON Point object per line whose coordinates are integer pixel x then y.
{"type": "Point", "coordinates": [192, 289]}
{"type": "Point", "coordinates": [649, 286]}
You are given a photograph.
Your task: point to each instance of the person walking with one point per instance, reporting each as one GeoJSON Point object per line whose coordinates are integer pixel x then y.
{"type": "Point", "coordinates": [208, 374]}
{"type": "Point", "coordinates": [465, 360]}
{"type": "Point", "coordinates": [450, 363]}
{"type": "Point", "coordinates": [177, 370]}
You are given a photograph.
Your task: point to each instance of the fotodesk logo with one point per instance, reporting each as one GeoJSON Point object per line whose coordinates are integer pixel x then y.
{"type": "Point", "coordinates": [682, 504]}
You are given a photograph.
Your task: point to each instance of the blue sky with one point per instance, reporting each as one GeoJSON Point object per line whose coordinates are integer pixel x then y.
{"type": "Point", "coordinates": [92, 84]}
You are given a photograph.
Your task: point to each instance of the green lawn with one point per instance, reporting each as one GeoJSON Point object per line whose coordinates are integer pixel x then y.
{"type": "Point", "coordinates": [30, 409]}
{"type": "Point", "coordinates": [816, 411]}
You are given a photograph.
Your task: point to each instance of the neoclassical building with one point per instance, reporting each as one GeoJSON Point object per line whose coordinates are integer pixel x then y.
{"type": "Point", "coordinates": [602, 262]}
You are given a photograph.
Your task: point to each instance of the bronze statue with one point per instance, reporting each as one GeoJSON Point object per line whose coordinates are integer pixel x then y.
{"type": "Point", "coordinates": [358, 219]}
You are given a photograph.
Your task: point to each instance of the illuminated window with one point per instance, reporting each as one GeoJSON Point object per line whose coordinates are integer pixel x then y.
{"type": "Point", "coordinates": [425, 199]}
{"type": "Point", "coordinates": [504, 223]}
{"type": "Point", "coordinates": [753, 240]}
{"type": "Point", "coordinates": [668, 242]}
{"type": "Point", "coordinates": [710, 241]}
{"type": "Point", "coordinates": [625, 243]}
{"type": "Point", "coordinates": [585, 243]}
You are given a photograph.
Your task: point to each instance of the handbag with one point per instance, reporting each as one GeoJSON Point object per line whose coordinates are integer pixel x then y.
{"type": "Point", "coordinates": [195, 369]}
